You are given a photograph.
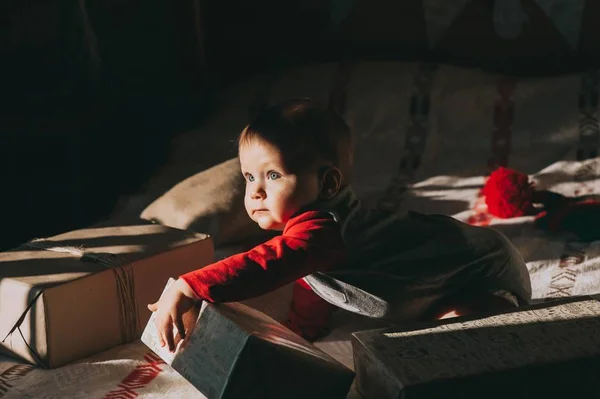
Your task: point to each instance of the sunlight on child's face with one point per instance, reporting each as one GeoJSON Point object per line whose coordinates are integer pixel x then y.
{"type": "Point", "coordinates": [273, 193]}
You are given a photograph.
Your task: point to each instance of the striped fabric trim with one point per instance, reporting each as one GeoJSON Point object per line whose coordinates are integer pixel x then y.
{"type": "Point", "coordinates": [589, 132]}
{"type": "Point", "coordinates": [416, 138]}
{"type": "Point", "coordinates": [10, 376]}
{"type": "Point", "coordinates": [504, 114]}
{"type": "Point", "coordinates": [139, 378]}
{"type": "Point", "coordinates": [564, 278]}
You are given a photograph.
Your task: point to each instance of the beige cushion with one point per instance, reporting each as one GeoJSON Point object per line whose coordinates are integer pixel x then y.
{"type": "Point", "coordinates": [211, 201]}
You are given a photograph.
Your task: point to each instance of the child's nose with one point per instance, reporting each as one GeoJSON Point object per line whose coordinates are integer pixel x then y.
{"type": "Point", "coordinates": [257, 194]}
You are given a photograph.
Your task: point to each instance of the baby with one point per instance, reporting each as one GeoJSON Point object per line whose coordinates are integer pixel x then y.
{"type": "Point", "coordinates": [392, 265]}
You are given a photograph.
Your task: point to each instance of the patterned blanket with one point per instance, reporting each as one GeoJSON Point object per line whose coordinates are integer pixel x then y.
{"type": "Point", "coordinates": [559, 267]}
{"type": "Point", "coordinates": [453, 124]}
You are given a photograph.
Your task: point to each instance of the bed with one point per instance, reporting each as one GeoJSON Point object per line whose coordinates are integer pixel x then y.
{"type": "Point", "coordinates": [450, 125]}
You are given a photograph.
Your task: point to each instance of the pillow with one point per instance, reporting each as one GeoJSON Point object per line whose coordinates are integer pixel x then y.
{"type": "Point", "coordinates": [212, 202]}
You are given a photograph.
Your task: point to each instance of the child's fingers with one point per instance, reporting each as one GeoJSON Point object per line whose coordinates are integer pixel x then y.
{"type": "Point", "coordinates": [180, 326]}
{"type": "Point", "coordinates": [159, 329]}
{"type": "Point", "coordinates": [165, 329]}
{"type": "Point", "coordinates": [168, 337]}
{"type": "Point", "coordinates": [161, 333]}
{"type": "Point", "coordinates": [153, 307]}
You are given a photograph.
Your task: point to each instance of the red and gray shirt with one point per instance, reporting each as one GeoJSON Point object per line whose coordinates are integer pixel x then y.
{"type": "Point", "coordinates": [381, 264]}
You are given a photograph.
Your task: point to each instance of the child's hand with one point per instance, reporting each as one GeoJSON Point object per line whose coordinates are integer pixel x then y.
{"type": "Point", "coordinates": [173, 303]}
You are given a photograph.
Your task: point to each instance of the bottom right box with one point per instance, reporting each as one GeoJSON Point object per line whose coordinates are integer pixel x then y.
{"type": "Point", "coordinates": [549, 350]}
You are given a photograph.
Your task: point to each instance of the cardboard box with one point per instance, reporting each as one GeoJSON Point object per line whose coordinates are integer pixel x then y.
{"type": "Point", "coordinates": [550, 350]}
{"type": "Point", "coordinates": [79, 293]}
{"type": "Point", "coordinates": [232, 351]}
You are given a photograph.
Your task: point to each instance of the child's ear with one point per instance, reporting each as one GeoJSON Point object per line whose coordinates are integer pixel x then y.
{"type": "Point", "coordinates": [330, 179]}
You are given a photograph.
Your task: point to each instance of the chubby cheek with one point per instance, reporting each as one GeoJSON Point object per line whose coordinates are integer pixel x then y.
{"type": "Point", "coordinates": [282, 204]}
{"type": "Point", "coordinates": [247, 204]}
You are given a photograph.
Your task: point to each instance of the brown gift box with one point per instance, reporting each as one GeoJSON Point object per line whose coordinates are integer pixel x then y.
{"type": "Point", "coordinates": [76, 294]}
{"type": "Point", "coordinates": [233, 351]}
{"type": "Point", "coordinates": [550, 350]}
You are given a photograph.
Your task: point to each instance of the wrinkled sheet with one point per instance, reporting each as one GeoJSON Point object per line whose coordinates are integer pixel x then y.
{"type": "Point", "coordinates": [559, 266]}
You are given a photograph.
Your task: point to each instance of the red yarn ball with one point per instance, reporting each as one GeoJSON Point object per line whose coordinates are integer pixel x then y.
{"type": "Point", "coordinates": [508, 193]}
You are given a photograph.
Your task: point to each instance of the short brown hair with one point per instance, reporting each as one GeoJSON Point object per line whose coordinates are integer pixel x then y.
{"type": "Point", "coordinates": [305, 133]}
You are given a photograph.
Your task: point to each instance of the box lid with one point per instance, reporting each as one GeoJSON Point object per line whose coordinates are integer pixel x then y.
{"type": "Point", "coordinates": [108, 243]}
{"type": "Point", "coordinates": [544, 334]}
{"type": "Point", "coordinates": [26, 271]}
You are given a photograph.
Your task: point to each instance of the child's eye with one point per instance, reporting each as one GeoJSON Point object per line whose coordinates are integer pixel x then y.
{"type": "Point", "coordinates": [250, 178]}
{"type": "Point", "coordinates": [274, 175]}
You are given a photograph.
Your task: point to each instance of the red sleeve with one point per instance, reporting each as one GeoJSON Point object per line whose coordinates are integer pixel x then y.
{"type": "Point", "coordinates": [311, 242]}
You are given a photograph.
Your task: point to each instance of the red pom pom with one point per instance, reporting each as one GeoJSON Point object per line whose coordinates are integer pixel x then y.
{"type": "Point", "coordinates": [508, 193]}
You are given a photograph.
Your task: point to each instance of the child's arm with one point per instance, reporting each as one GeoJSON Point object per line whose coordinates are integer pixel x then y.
{"type": "Point", "coordinates": [311, 243]}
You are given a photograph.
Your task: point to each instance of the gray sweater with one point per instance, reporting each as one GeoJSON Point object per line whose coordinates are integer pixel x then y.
{"type": "Point", "coordinates": [402, 263]}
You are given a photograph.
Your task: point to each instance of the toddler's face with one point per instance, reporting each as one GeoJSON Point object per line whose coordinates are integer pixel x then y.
{"type": "Point", "coordinates": [273, 193]}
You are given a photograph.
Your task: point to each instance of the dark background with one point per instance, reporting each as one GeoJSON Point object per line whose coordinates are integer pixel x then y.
{"type": "Point", "coordinates": [93, 91]}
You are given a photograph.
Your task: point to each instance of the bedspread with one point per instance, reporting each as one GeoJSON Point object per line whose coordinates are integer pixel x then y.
{"type": "Point", "coordinates": [559, 265]}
